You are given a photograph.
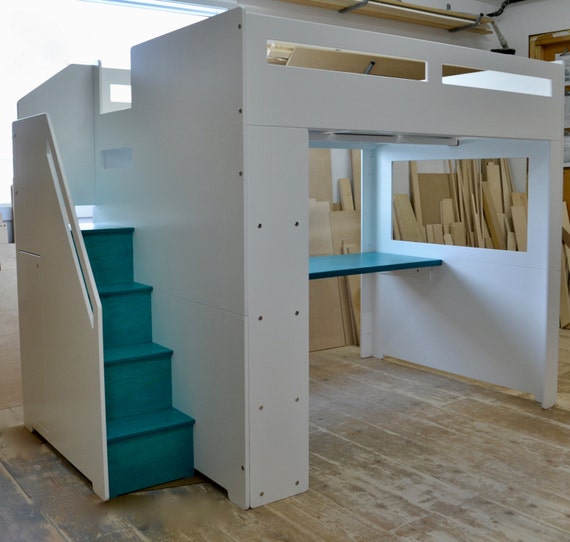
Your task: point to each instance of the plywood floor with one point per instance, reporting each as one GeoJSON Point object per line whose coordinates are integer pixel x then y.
{"type": "Point", "coordinates": [397, 454]}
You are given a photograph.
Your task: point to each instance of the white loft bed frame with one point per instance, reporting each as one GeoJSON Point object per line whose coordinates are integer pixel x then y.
{"type": "Point", "coordinates": [210, 165]}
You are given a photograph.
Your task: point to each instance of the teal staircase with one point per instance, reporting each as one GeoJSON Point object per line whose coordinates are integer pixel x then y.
{"type": "Point", "coordinates": [148, 441]}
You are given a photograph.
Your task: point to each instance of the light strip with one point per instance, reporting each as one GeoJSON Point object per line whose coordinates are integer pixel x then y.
{"type": "Point", "coordinates": [355, 137]}
{"type": "Point", "coordinates": [213, 8]}
{"type": "Point", "coordinates": [419, 11]}
{"type": "Point", "coordinates": [405, 12]}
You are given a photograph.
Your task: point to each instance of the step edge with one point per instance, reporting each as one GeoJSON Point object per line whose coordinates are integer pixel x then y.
{"type": "Point", "coordinates": [122, 288]}
{"type": "Point", "coordinates": [186, 421]}
{"type": "Point", "coordinates": [162, 352]}
{"type": "Point", "coordinates": [98, 230]}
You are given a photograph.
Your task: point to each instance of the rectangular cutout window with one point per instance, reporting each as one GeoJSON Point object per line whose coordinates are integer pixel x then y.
{"type": "Point", "coordinates": [479, 203]}
{"type": "Point", "coordinates": [321, 58]}
{"type": "Point", "coordinates": [495, 80]}
{"type": "Point", "coordinates": [117, 158]}
{"type": "Point", "coordinates": [120, 93]}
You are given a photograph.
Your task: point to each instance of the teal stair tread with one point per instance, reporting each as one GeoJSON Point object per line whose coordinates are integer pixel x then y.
{"type": "Point", "coordinates": [150, 422]}
{"type": "Point", "coordinates": [123, 288]}
{"type": "Point", "coordinates": [95, 229]}
{"type": "Point", "coordinates": [133, 352]}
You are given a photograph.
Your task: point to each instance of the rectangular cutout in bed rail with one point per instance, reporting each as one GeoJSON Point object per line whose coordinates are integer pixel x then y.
{"type": "Point", "coordinates": [462, 76]}
{"type": "Point", "coordinates": [321, 58]}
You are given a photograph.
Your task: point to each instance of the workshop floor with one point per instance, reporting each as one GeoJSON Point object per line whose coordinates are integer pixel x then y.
{"type": "Point", "coordinates": [397, 453]}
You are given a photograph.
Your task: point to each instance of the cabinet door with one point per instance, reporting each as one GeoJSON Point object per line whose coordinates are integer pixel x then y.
{"type": "Point", "coordinates": [36, 404]}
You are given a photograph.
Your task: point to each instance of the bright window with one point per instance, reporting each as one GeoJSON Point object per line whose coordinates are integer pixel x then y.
{"type": "Point", "coordinates": [41, 38]}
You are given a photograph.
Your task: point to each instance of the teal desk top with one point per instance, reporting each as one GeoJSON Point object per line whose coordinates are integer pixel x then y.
{"type": "Point", "coordinates": [321, 267]}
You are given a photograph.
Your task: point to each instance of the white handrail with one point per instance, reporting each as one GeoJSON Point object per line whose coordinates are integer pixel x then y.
{"type": "Point", "coordinates": [91, 295]}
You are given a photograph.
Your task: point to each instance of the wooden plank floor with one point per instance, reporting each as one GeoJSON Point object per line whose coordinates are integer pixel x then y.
{"type": "Point", "coordinates": [397, 453]}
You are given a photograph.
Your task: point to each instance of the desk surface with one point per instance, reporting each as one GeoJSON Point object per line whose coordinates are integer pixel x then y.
{"type": "Point", "coordinates": [321, 267]}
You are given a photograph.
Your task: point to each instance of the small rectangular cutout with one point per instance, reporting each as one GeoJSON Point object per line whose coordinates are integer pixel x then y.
{"type": "Point", "coordinates": [117, 158]}
{"type": "Point", "coordinates": [462, 76]}
{"type": "Point", "coordinates": [120, 93]}
{"type": "Point", "coordinates": [321, 58]}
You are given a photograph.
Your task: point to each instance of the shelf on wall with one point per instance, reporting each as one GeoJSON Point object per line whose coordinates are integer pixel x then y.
{"type": "Point", "coordinates": [321, 267]}
{"type": "Point", "coordinates": [406, 12]}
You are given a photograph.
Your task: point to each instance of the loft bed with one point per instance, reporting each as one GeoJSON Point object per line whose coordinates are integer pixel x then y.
{"type": "Point", "coordinates": [209, 166]}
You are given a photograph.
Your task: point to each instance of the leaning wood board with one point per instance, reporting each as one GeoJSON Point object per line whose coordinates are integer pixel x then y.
{"type": "Point", "coordinates": [345, 229]}
{"type": "Point", "coordinates": [325, 311]}
{"type": "Point", "coordinates": [320, 176]}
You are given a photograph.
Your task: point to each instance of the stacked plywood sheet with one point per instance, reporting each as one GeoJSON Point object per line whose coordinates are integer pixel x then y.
{"type": "Point", "coordinates": [472, 204]}
{"type": "Point", "coordinates": [334, 228]}
{"type": "Point", "coordinates": [565, 270]}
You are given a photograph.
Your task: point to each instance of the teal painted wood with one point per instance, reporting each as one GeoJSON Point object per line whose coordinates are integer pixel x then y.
{"type": "Point", "coordinates": [321, 267]}
{"type": "Point", "coordinates": [150, 459]}
{"type": "Point", "coordinates": [134, 352]}
{"type": "Point", "coordinates": [138, 384]}
{"type": "Point", "coordinates": [110, 252]}
{"type": "Point", "coordinates": [127, 317]}
{"type": "Point", "coordinates": [147, 450]}
{"type": "Point", "coordinates": [148, 441]}
{"type": "Point", "coordinates": [132, 426]}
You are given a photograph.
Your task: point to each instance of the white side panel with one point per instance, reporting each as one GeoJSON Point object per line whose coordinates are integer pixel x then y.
{"type": "Point", "coordinates": [68, 98]}
{"type": "Point", "coordinates": [209, 384]}
{"type": "Point", "coordinates": [59, 326]}
{"type": "Point", "coordinates": [288, 96]}
{"type": "Point", "coordinates": [276, 178]}
{"type": "Point", "coordinates": [486, 314]}
{"type": "Point", "coordinates": [184, 196]}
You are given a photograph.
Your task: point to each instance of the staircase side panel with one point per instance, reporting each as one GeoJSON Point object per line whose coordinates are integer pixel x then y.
{"type": "Point", "coordinates": [183, 194]}
{"type": "Point", "coordinates": [58, 321]}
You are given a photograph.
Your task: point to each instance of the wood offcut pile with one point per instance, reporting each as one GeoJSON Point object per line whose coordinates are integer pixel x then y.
{"type": "Point", "coordinates": [473, 204]}
{"type": "Point", "coordinates": [334, 303]}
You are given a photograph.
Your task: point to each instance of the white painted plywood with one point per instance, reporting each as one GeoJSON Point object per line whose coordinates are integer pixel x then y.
{"type": "Point", "coordinates": [333, 100]}
{"type": "Point", "coordinates": [68, 98]}
{"type": "Point", "coordinates": [486, 314]}
{"type": "Point", "coordinates": [277, 226]}
{"type": "Point", "coordinates": [60, 336]}
{"type": "Point", "coordinates": [184, 195]}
